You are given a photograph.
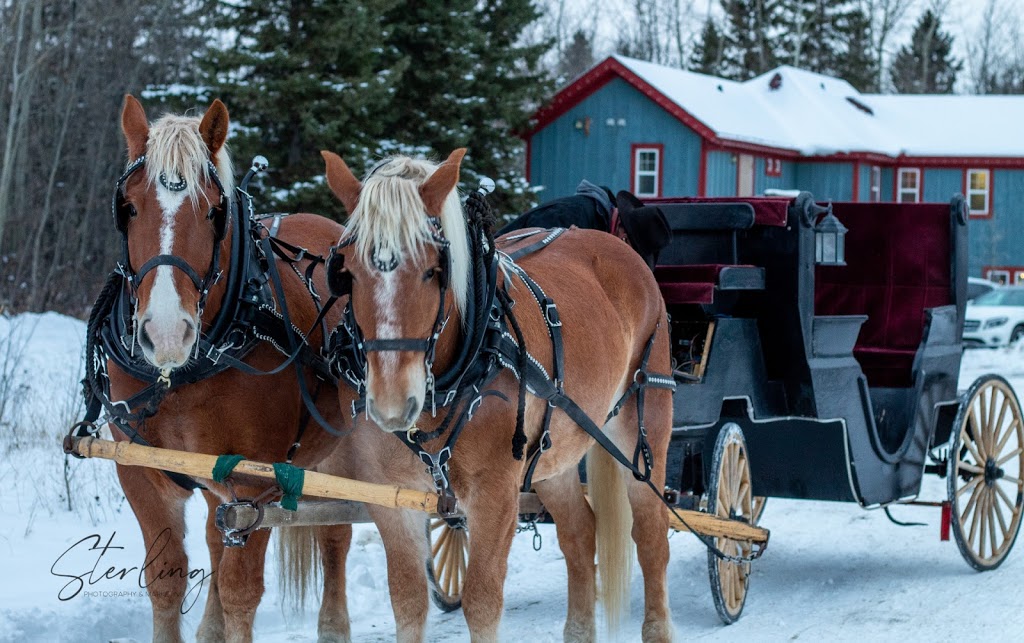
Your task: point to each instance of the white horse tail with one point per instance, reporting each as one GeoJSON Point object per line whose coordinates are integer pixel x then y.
{"type": "Point", "coordinates": [614, 521]}
{"type": "Point", "coordinates": [298, 559]}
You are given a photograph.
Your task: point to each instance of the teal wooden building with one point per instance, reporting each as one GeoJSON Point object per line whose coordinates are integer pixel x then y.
{"type": "Point", "coordinates": [658, 131]}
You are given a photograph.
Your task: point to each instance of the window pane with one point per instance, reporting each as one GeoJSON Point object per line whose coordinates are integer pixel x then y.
{"type": "Point", "coordinates": [978, 202]}
{"type": "Point", "coordinates": [908, 180]}
{"type": "Point", "coordinates": [648, 162]}
{"type": "Point", "coordinates": [645, 185]}
{"type": "Point", "coordinates": [979, 180]}
{"type": "Point", "coordinates": [908, 197]}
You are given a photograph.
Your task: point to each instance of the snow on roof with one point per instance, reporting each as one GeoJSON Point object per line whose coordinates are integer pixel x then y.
{"type": "Point", "coordinates": [816, 114]}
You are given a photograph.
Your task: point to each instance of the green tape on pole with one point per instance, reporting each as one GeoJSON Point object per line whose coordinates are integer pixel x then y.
{"type": "Point", "coordinates": [224, 466]}
{"type": "Point", "coordinates": [290, 479]}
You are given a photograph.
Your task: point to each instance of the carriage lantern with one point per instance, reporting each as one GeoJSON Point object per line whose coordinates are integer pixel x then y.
{"type": "Point", "coordinates": [830, 241]}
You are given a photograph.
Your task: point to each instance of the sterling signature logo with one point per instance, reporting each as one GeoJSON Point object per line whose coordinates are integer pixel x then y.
{"type": "Point", "coordinates": [92, 549]}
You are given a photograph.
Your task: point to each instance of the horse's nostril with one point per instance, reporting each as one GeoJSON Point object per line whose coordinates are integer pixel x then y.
{"type": "Point", "coordinates": [144, 339]}
{"type": "Point", "coordinates": [190, 332]}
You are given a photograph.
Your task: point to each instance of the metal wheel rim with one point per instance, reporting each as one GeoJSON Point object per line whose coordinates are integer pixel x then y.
{"type": "Point", "coordinates": [985, 481]}
{"type": "Point", "coordinates": [729, 496]}
{"type": "Point", "coordinates": [449, 551]}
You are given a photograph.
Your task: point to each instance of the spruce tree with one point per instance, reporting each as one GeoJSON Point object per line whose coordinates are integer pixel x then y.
{"type": "Point", "coordinates": [468, 82]}
{"type": "Point", "coordinates": [751, 35]}
{"type": "Point", "coordinates": [707, 54]}
{"type": "Point", "coordinates": [828, 37]}
{"type": "Point", "coordinates": [858, 66]}
{"type": "Point", "coordinates": [577, 58]}
{"type": "Point", "coordinates": [926, 65]}
{"type": "Point", "coordinates": [299, 76]}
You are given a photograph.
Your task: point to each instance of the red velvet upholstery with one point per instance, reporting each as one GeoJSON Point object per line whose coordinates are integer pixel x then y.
{"type": "Point", "coordinates": [897, 265]}
{"type": "Point", "coordinates": [693, 284]}
{"type": "Point", "coordinates": [767, 210]}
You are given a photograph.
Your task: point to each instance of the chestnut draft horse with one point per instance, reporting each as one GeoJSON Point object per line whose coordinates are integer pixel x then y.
{"type": "Point", "coordinates": [406, 252]}
{"type": "Point", "coordinates": [171, 209]}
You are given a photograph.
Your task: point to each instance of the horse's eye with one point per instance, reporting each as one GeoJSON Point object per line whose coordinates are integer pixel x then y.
{"type": "Point", "coordinates": [428, 275]}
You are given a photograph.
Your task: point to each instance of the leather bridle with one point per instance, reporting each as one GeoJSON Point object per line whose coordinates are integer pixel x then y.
{"type": "Point", "coordinates": [124, 212]}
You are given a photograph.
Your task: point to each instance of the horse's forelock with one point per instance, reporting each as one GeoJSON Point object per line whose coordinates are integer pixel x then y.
{"type": "Point", "coordinates": [176, 149]}
{"type": "Point", "coordinates": [391, 220]}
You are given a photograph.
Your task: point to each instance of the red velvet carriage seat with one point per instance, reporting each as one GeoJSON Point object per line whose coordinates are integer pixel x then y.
{"type": "Point", "coordinates": [702, 257]}
{"type": "Point", "coordinates": [897, 265]}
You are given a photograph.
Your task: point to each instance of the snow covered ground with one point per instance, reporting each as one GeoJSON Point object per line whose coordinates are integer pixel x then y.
{"type": "Point", "coordinates": [832, 572]}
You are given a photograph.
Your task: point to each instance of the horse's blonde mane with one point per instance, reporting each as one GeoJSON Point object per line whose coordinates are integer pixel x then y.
{"type": "Point", "coordinates": [391, 220]}
{"type": "Point", "coordinates": [176, 149]}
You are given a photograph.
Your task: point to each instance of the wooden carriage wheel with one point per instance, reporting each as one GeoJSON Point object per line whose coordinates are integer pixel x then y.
{"type": "Point", "coordinates": [729, 496]}
{"type": "Point", "coordinates": [449, 551]}
{"type": "Point", "coordinates": [984, 481]}
{"type": "Point", "coordinates": [757, 508]}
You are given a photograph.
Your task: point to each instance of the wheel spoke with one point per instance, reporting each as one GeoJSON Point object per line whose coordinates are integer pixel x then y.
{"type": "Point", "coordinates": [970, 485]}
{"type": "Point", "coordinates": [1010, 430]}
{"type": "Point", "coordinates": [992, 526]}
{"type": "Point", "coordinates": [1011, 480]}
{"type": "Point", "coordinates": [979, 428]}
{"type": "Point", "coordinates": [971, 511]}
{"type": "Point", "coordinates": [982, 516]}
{"type": "Point", "coordinates": [998, 511]}
{"type": "Point", "coordinates": [964, 466]}
{"type": "Point", "coordinates": [971, 501]}
{"type": "Point", "coordinates": [1016, 452]}
{"type": "Point", "coordinates": [1002, 494]}
{"type": "Point", "coordinates": [976, 515]}
{"type": "Point", "coordinates": [441, 540]}
{"type": "Point", "coordinates": [437, 524]}
{"type": "Point", "coordinates": [990, 426]}
{"type": "Point", "coordinates": [970, 443]}
{"type": "Point", "coordinates": [998, 426]}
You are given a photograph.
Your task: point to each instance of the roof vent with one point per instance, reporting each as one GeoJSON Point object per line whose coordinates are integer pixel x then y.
{"type": "Point", "coordinates": [775, 82]}
{"type": "Point", "coordinates": [822, 85]}
{"type": "Point", "coordinates": [861, 106]}
{"type": "Point", "coordinates": [720, 88]}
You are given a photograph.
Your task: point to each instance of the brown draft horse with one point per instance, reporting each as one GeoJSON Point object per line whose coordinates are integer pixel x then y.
{"type": "Point", "coordinates": [609, 305]}
{"type": "Point", "coordinates": [228, 413]}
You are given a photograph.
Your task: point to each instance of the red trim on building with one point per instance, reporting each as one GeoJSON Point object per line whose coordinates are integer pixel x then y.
{"type": "Point", "coordinates": [1013, 270]}
{"type": "Point", "coordinates": [991, 193]}
{"type": "Point", "coordinates": [990, 162]}
{"type": "Point", "coordinates": [632, 165]}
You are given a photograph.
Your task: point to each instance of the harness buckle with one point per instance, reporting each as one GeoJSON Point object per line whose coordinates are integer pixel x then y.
{"type": "Point", "coordinates": [551, 314]}
{"type": "Point", "coordinates": [449, 397]}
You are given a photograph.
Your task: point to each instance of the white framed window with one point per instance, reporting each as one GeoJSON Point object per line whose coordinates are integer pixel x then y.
{"type": "Point", "coordinates": [647, 170]}
{"type": "Point", "coordinates": [908, 185]}
{"type": "Point", "coordinates": [876, 184]}
{"type": "Point", "coordinates": [1001, 277]}
{"type": "Point", "coordinates": [979, 184]}
{"type": "Point", "coordinates": [772, 166]}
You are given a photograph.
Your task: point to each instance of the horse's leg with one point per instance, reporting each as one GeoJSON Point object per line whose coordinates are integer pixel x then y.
{"type": "Point", "coordinates": [334, 542]}
{"type": "Point", "coordinates": [650, 517]}
{"type": "Point", "coordinates": [240, 585]}
{"type": "Point", "coordinates": [211, 628]}
{"type": "Point", "coordinates": [574, 520]}
{"type": "Point", "coordinates": [159, 506]}
{"type": "Point", "coordinates": [492, 509]}
{"type": "Point", "coordinates": [405, 546]}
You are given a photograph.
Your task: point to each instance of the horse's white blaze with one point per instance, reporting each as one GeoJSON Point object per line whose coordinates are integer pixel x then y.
{"type": "Point", "coordinates": [388, 328]}
{"type": "Point", "coordinates": [165, 312]}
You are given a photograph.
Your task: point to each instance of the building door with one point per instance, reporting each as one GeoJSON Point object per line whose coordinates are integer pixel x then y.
{"type": "Point", "coordinates": [745, 175]}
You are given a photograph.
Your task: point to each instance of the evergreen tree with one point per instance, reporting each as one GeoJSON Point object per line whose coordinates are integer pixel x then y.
{"type": "Point", "coordinates": [858, 66]}
{"type": "Point", "coordinates": [468, 82]}
{"type": "Point", "coordinates": [577, 58]}
{"type": "Point", "coordinates": [299, 76]}
{"type": "Point", "coordinates": [829, 37]}
{"type": "Point", "coordinates": [926, 65]}
{"type": "Point", "coordinates": [750, 33]}
{"type": "Point", "coordinates": [707, 55]}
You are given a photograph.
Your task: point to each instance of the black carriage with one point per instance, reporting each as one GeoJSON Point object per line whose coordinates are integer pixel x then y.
{"type": "Point", "coordinates": [817, 351]}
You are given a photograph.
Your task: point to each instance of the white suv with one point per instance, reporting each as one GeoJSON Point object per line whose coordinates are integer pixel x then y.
{"type": "Point", "coordinates": [995, 318]}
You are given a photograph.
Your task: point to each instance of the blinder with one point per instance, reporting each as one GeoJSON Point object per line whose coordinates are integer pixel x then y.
{"type": "Point", "coordinates": [339, 280]}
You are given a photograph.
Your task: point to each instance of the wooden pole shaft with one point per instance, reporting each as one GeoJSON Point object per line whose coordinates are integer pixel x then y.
{"type": "Point", "coordinates": [201, 466]}
{"type": "Point", "coordinates": [718, 527]}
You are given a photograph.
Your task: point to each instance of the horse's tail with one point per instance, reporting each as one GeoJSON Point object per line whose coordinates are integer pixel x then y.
{"type": "Point", "coordinates": [614, 520]}
{"type": "Point", "coordinates": [298, 559]}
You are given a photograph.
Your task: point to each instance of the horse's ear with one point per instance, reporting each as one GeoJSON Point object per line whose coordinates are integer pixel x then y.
{"type": "Point", "coordinates": [214, 127]}
{"type": "Point", "coordinates": [135, 126]}
{"type": "Point", "coordinates": [440, 184]}
{"type": "Point", "coordinates": [343, 183]}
